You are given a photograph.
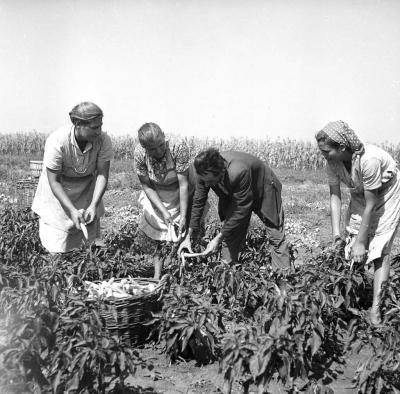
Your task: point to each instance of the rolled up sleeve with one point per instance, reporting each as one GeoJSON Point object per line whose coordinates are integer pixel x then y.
{"type": "Point", "coordinates": [371, 174]}
{"type": "Point", "coordinates": [106, 152]}
{"type": "Point", "coordinates": [53, 157]}
{"type": "Point", "coordinates": [181, 155]}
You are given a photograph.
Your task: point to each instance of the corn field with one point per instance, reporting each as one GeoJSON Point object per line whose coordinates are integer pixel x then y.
{"type": "Point", "coordinates": [17, 144]}
{"type": "Point", "coordinates": [280, 153]}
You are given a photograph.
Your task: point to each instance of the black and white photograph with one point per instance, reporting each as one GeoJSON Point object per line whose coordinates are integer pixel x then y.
{"type": "Point", "coordinates": [199, 196]}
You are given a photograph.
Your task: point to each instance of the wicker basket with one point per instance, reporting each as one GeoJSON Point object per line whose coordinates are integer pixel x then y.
{"type": "Point", "coordinates": [24, 192]}
{"type": "Point", "coordinates": [125, 317]}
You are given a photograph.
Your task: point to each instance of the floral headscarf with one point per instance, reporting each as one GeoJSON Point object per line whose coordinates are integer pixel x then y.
{"type": "Point", "coordinates": [341, 133]}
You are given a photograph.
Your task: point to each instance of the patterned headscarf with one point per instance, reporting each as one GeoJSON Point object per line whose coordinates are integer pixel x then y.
{"type": "Point", "coordinates": [341, 133]}
{"type": "Point", "coordinates": [85, 111]}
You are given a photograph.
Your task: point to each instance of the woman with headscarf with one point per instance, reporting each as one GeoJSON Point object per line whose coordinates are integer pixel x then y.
{"type": "Point", "coordinates": [75, 173]}
{"type": "Point", "coordinates": [168, 183]}
{"type": "Point", "coordinates": [373, 215]}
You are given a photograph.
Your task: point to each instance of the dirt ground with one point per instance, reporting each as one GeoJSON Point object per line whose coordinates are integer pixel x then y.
{"type": "Point", "coordinates": [307, 220]}
{"type": "Point", "coordinates": [186, 377]}
{"type": "Point", "coordinates": [308, 226]}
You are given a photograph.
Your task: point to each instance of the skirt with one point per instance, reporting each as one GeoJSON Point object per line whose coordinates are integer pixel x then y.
{"type": "Point", "coordinates": [384, 221]}
{"type": "Point", "coordinates": [60, 241]}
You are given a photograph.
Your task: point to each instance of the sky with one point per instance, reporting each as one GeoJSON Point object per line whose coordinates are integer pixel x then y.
{"type": "Point", "coordinates": [254, 68]}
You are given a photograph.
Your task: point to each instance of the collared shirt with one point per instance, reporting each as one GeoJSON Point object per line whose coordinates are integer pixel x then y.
{"type": "Point", "coordinates": [369, 172]}
{"type": "Point", "coordinates": [77, 169]}
{"type": "Point", "coordinates": [62, 153]}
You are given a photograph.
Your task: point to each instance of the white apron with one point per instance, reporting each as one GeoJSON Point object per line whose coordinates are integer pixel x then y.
{"type": "Point", "coordinates": [151, 221]}
{"type": "Point", "coordinates": [384, 221]}
{"type": "Point", "coordinates": [57, 231]}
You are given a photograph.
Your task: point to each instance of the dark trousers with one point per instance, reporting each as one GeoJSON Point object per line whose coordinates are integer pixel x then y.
{"type": "Point", "coordinates": [280, 250]}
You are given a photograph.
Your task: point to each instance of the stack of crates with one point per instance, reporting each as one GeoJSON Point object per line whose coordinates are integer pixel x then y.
{"type": "Point", "coordinates": [23, 191]}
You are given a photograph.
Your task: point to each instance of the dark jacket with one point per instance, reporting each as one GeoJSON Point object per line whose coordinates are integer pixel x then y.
{"type": "Point", "coordinates": [248, 185]}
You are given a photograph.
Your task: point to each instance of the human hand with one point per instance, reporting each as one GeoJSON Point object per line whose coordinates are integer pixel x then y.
{"type": "Point", "coordinates": [167, 218]}
{"type": "Point", "coordinates": [89, 214]}
{"type": "Point", "coordinates": [212, 246]}
{"type": "Point", "coordinates": [185, 244]}
{"type": "Point", "coordinates": [77, 218]}
{"type": "Point", "coordinates": [358, 252]}
{"type": "Point", "coordinates": [171, 233]}
{"type": "Point", "coordinates": [338, 243]}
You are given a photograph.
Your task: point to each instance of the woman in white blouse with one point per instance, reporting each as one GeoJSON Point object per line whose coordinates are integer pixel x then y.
{"type": "Point", "coordinates": [75, 173]}
{"type": "Point", "coordinates": [373, 216]}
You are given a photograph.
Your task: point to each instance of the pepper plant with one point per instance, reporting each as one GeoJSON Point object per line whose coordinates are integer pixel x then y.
{"type": "Point", "coordinates": [189, 326]}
